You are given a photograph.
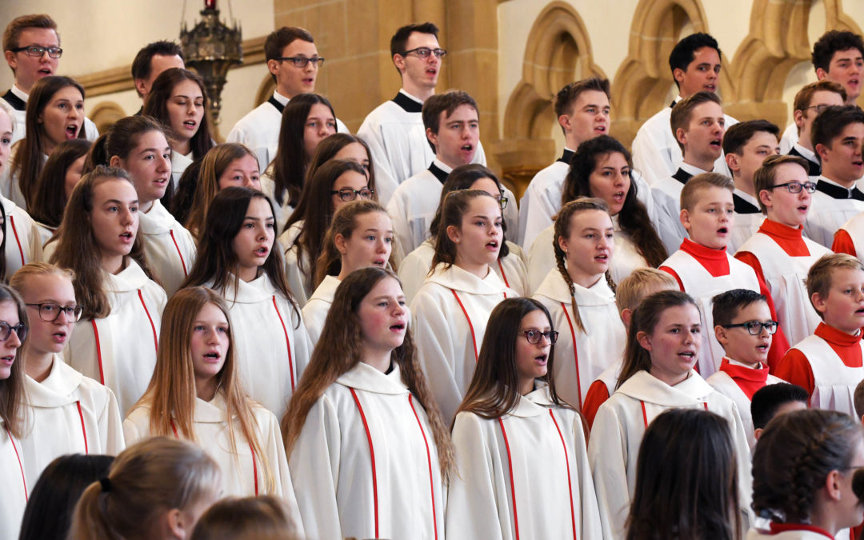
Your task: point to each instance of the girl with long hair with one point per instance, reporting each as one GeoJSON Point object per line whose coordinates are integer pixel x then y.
{"type": "Point", "coordinates": [361, 235]}
{"type": "Point", "coordinates": [686, 480]}
{"type": "Point", "coordinates": [178, 99]}
{"type": "Point", "coordinates": [26, 243]}
{"type": "Point", "coordinates": [663, 346]}
{"type": "Point", "coordinates": [510, 265]}
{"type": "Point", "coordinates": [137, 144]}
{"type": "Point", "coordinates": [237, 259]}
{"type": "Point", "coordinates": [512, 413]}
{"type": "Point", "coordinates": [368, 450]}
{"type": "Point", "coordinates": [67, 413]}
{"type": "Point", "coordinates": [196, 395]}
{"type": "Point", "coordinates": [334, 184]}
{"type": "Point", "coordinates": [55, 113]}
{"type": "Point", "coordinates": [451, 309]}
{"type": "Point", "coordinates": [116, 339]}
{"type": "Point", "coordinates": [580, 298]}
{"type": "Point", "coordinates": [13, 330]}
{"type": "Point", "coordinates": [306, 121]}
{"type": "Point", "coordinates": [155, 490]}
{"type": "Point", "coordinates": [61, 172]}
{"type": "Point", "coordinates": [601, 168]}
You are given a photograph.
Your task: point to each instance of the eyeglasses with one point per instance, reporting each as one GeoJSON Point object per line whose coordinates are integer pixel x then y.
{"type": "Point", "coordinates": [37, 51]}
{"type": "Point", "coordinates": [533, 336]}
{"type": "Point", "coordinates": [755, 327]}
{"type": "Point", "coordinates": [50, 312]}
{"type": "Point", "coordinates": [348, 194]}
{"type": "Point", "coordinates": [502, 201]}
{"type": "Point", "coordinates": [6, 330]}
{"type": "Point", "coordinates": [301, 61]}
{"type": "Point", "coordinates": [424, 52]}
{"type": "Point", "coordinates": [819, 108]}
{"type": "Point", "coordinates": [796, 187]}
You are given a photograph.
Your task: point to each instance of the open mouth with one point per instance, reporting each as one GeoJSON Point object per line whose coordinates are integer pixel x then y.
{"type": "Point", "coordinates": [541, 359]}
{"type": "Point", "coordinates": [492, 245]}
{"type": "Point", "coordinates": [213, 356]}
{"type": "Point", "coordinates": [262, 251]}
{"type": "Point", "coordinates": [190, 124]}
{"type": "Point", "coordinates": [45, 71]}
{"type": "Point", "coordinates": [602, 258]}
{"type": "Point", "coordinates": [763, 348]}
{"type": "Point", "coordinates": [687, 355]}
{"type": "Point", "coordinates": [7, 360]}
{"type": "Point", "coordinates": [432, 71]}
{"type": "Point", "coordinates": [379, 263]}
{"type": "Point", "coordinates": [723, 231]}
{"type": "Point", "coordinates": [398, 327]}
{"type": "Point", "coordinates": [59, 336]}
{"type": "Point", "coordinates": [467, 147]}
{"type": "Point", "coordinates": [859, 312]}
{"type": "Point", "coordinates": [858, 163]}
{"type": "Point", "coordinates": [127, 236]}
{"type": "Point", "coordinates": [717, 143]}
{"type": "Point", "coordinates": [71, 131]}
{"type": "Point", "coordinates": [619, 196]}
{"type": "Point", "coordinates": [600, 130]}
{"type": "Point", "coordinates": [803, 208]}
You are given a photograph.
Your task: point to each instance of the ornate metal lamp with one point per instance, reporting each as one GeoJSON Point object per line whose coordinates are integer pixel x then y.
{"type": "Point", "coordinates": [210, 49]}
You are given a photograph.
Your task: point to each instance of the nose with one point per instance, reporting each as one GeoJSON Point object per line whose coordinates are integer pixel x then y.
{"type": "Point", "coordinates": [125, 216]}
{"type": "Point", "coordinates": [247, 181]}
{"type": "Point", "coordinates": [13, 342]}
{"type": "Point", "coordinates": [164, 163]}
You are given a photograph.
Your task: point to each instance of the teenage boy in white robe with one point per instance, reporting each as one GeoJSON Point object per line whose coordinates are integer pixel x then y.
{"type": "Point", "coordinates": [809, 102]}
{"type": "Point", "coordinates": [151, 61]}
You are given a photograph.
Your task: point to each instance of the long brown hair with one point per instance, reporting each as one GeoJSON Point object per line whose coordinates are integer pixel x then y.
{"type": "Point", "coordinates": [156, 105]}
{"type": "Point", "coordinates": [49, 196]}
{"type": "Point", "coordinates": [493, 391]}
{"type": "Point", "coordinates": [77, 249]}
{"type": "Point", "coordinates": [452, 209]}
{"type": "Point", "coordinates": [339, 349]}
{"type": "Point", "coordinates": [12, 396]}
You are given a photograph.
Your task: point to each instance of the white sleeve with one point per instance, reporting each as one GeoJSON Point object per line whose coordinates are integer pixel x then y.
{"type": "Point", "coordinates": [385, 179]}
{"type": "Point", "coordinates": [396, 210]}
{"type": "Point", "coordinates": [132, 432]}
{"type": "Point", "coordinates": [591, 523]}
{"type": "Point", "coordinates": [111, 426]}
{"type": "Point", "coordinates": [237, 134]}
{"type": "Point", "coordinates": [302, 343]}
{"type": "Point", "coordinates": [541, 259]}
{"type": "Point", "coordinates": [511, 214]}
{"type": "Point", "coordinates": [271, 443]}
{"type": "Point", "coordinates": [607, 454]}
{"type": "Point", "coordinates": [412, 274]}
{"type": "Point", "coordinates": [648, 159]}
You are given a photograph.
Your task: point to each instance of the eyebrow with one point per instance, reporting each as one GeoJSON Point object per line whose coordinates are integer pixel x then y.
{"type": "Point", "coordinates": [252, 218]}
{"type": "Point", "coordinates": [387, 297]}
{"type": "Point", "coordinates": [145, 150]}
{"type": "Point", "coordinates": [117, 201]}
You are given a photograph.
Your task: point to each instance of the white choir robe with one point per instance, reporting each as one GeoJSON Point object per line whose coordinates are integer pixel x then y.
{"type": "Point", "coordinates": [316, 309]}
{"type": "Point", "coordinates": [789, 138]}
{"type": "Point", "coordinates": [45, 234]}
{"type": "Point", "coordinates": [119, 350]}
{"type": "Point", "coordinates": [271, 344]}
{"type": "Point", "coordinates": [854, 228]}
{"type": "Point", "coordinates": [179, 162]}
{"type": "Point", "coordinates": [449, 316]}
{"type": "Point", "coordinates": [541, 256]}
{"type": "Point", "coordinates": [10, 186]}
{"type": "Point", "coordinates": [656, 153]}
{"type": "Point", "coordinates": [242, 473]}
{"type": "Point", "coordinates": [616, 435]}
{"type": "Point", "coordinates": [365, 464]}
{"type": "Point", "coordinates": [416, 265]}
{"type": "Point", "coordinates": [795, 532]}
{"type": "Point", "coordinates": [170, 249]}
{"type": "Point", "coordinates": [23, 239]}
{"type": "Point", "coordinates": [68, 413]}
{"type": "Point", "coordinates": [259, 130]}
{"type": "Point", "coordinates": [398, 145]}
{"type": "Point", "coordinates": [281, 212]}
{"type": "Point", "coordinates": [15, 485]}
{"type": "Point", "coordinates": [90, 131]}
{"type": "Point", "coordinates": [666, 192]}
{"type": "Point", "coordinates": [536, 454]}
{"type": "Point", "coordinates": [580, 357]}
{"type": "Point", "coordinates": [294, 274]}
{"type": "Point", "coordinates": [834, 381]}
{"type": "Point", "coordinates": [827, 214]}
{"type": "Point", "coordinates": [745, 225]}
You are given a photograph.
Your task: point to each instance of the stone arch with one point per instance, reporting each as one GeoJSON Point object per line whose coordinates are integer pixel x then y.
{"type": "Point", "coordinates": [106, 114]}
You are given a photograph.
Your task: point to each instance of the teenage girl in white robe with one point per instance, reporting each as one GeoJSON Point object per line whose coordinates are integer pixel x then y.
{"type": "Point", "coordinates": [579, 298]}
{"type": "Point", "coordinates": [663, 344]}
{"type": "Point", "coordinates": [510, 265]}
{"type": "Point", "coordinates": [368, 450]}
{"type": "Point", "coordinates": [60, 174]}
{"type": "Point", "coordinates": [116, 339]}
{"type": "Point", "coordinates": [67, 413]}
{"type": "Point", "coordinates": [451, 309]}
{"type": "Point", "coordinates": [195, 395]}
{"type": "Point", "coordinates": [360, 235]}
{"type": "Point", "coordinates": [520, 450]}
{"type": "Point", "coordinates": [238, 261]}
{"type": "Point", "coordinates": [807, 477]}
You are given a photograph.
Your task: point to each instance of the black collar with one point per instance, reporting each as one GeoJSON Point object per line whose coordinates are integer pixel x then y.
{"type": "Point", "coordinates": [682, 176]}
{"type": "Point", "coordinates": [839, 192]}
{"type": "Point", "coordinates": [813, 167]}
{"type": "Point", "coordinates": [407, 104]}
{"type": "Point", "coordinates": [672, 105]}
{"type": "Point", "coordinates": [744, 207]}
{"type": "Point", "coordinates": [17, 103]}
{"type": "Point", "coordinates": [438, 173]}
{"type": "Point", "coordinates": [275, 103]}
{"type": "Point", "coordinates": [567, 156]}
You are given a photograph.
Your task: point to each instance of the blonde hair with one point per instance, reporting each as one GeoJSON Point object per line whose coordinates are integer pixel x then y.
{"type": "Point", "coordinates": [19, 278]}
{"type": "Point", "coordinates": [703, 181]}
{"type": "Point", "coordinates": [821, 274]}
{"type": "Point", "coordinates": [146, 480]}
{"type": "Point", "coordinates": [250, 518]}
{"type": "Point", "coordinates": [639, 284]}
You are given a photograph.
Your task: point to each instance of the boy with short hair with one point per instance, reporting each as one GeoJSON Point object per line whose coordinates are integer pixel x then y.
{"type": "Point", "coordinates": [702, 266]}
{"type": "Point", "coordinates": [150, 61]}
{"type": "Point", "coordinates": [744, 328]}
{"type": "Point", "coordinates": [698, 124]}
{"type": "Point", "coordinates": [453, 131]}
{"type": "Point", "coordinates": [779, 254]}
{"type": "Point", "coordinates": [828, 364]}
{"type": "Point", "coordinates": [746, 146]}
{"type": "Point", "coordinates": [773, 400]}
{"type": "Point", "coordinates": [809, 102]}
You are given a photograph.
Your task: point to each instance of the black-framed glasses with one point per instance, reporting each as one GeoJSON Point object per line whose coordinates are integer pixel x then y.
{"type": "Point", "coordinates": [534, 336]}
{"type": "Point", "coordinates": [424, 52]}
{"type": "Point", "coordinates": [37, 51]}
{"type": "Point", "coordinates": [6, 330]}
{"type": "Point", "coordinates": [502, 201]}
{"type": "Point", "coordinates": [50, 312]}
{"type": "Point", "coordinates": [302, 61]}
{"type": "Point", "coordinates": [348, 194]}
{"type": "Point", "coordinates": [755, 327]}
{"type": "Point", "coordinates": [819, 108]}
{"type": "Point", "coordinates": [796, 187]}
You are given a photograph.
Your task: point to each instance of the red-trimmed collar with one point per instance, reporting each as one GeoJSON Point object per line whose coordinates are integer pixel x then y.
{"type": "Point", "coordinates": [782, 527]}
{"type": "Point", "coordinates": [749, 380]}
{"type": "Point", "coordinates": [788, 238]}
{"type": "Point", "coordinates": [836, 337]}
{"type": "Point", "coordinates": [716, 261]}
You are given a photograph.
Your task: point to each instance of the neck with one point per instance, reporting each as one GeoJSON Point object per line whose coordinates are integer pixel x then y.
{"type": "Point", "coordinates": [420, 92]}
{"type": "Point", "coordinates": [745, 185]}
{"type": "Point", "coordinates": [583, 280]}
{"type": "Point", "coordinates": [113, 264]}
{"type": "Point", "coordinates": [378, 359]}
{"type": "Point", "coordinates": [572, 141]}
{"type": "Point", "coordinates": [205, 389]}
{"type": "Point", "coordinates": [804, 140]}
{"type": "Point", "coordinates": [445, 162]}
{"type": "Point", "coordinates": [821, 517]}
{"type": "Point", "coordinates": [248, 274]}
{"type": "Point", "coordinates": [145, 206]}
{"type": "Point", "coordinates": [20, 87]}
{"type": "Point", "coordinates": [526, 386]}
{"type": "Point", "coordinates": [37, 364]}
{"type": "Point", "coordinates": [753, 365]}
{"type": "Point", "coordinates": [181, 146]}
{"type": "Point", "coordinates": [48, 146]}
{"type": "Point", "coordinates": [829, 174]}
{"type": "Point", "coordinates": [703, 162]}
{"type": "Point", "coordinates": [668, 377]}
{"type": "Point", "coordinates": [345, 271]}
{"type": "Point", "coordinates": [852, 331]}
{"type": "Point", "coordinates": [285, 93]}
{"type": "Point", "coordinates": [479, 270]}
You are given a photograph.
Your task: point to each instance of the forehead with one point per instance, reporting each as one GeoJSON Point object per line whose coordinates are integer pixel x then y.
{"type": "Point", "coordinates": [152, 139]}
{"type": "Point", "coordinates": [67, 92]}
{"type": "Point", "coordinates": [709, 108]}
{"type": "Point", "coordinates": [350, 179]}
{"type": "Point", "coordinates": [483, 205]}
{"type": "Point", "coordinates": [843, 275]}
{"type": "Point", "coordinates": [462, 112]}
{"type": "Point", "coordinates": [186, 87]}
{"type": "Point", "coordinates": [211, 311]}
{"type": "Point", "coordinates": [610, 159]}
{"type": "Point", "coordinates": [826, 97]}
{"type": "Point", "coordinates": [535, 319]}
{"type": "Point", "coordinates": [704, 55]}
{"type": "Point", "coordinates": [45, 285]}
{"type": "Point", "coordinates": [114, 188]}
{"type": "Point", "coordinates": [712, 195]}
{"type": "Point", "coordinates": [789, 172]}
{"type": "Point", "coordinates": [590, 97]}
{"type": "Point", "coordinates": [9, 312]}
{"type": "Point", "coordinates": [319, 110]}
{"type": "Point", "coordinates": [419, 39]}
{"type": "Point", "coordinates": [386, 286]}
{"type": "Point", "coordinates": [373, 220]}
{"type": "Point", "coordinates": [37, 36]}
{"type": "Point", "coordinates": [300, 47]}
{"type": "Point", "coordinates": [854, 129]}
{"type": "Point", "coordinates": [761, 138]}
{"type": "Point", "coordinates": [847, 54]}
{"type": "Point", "coordinates": [593, 218]}
{"type": "Point", "coordinates": [244, 162]}
{"type": "Point", "coordinates": [259, 207]}
{"type": "Point", "coordinates": [754, 311]}
{"type": "Point", "coordinates": [161, 62]}
{"type": "Point", "coordinates": [683, 314]}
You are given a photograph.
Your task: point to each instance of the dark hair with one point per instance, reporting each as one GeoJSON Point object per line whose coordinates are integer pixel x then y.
{"type": "Point", "coordinates": [567, 95]}
{"type": "Point", "coordinates": [832, 121]}
{"type": "Point", "coordinates": [279, 39]}
{"type": "Point", "coordinates": [179, 201]}
{"type": "Point", "coordinates": [452, 209]}
{"type": "Point", "coordinates": [494, 388]}
{"type": "Point", "coordinates": [289, 164]}
{"type": "Point", "coordinates": [122, 137]}
{"type": "Point", "coordinates": [142, 64]}
{"type": "Point", "coordinates": [327, 150]}
{"type": "Point", "coordinates": [633, 217]}
{"type": "Point", "coordinates": [156, 105]}
{"type": "Point", "coordinates": [265, 517]}
{"type": "Point", "coordinates": [446, 103]}
{"type": "Point", "coordinates": [794, 455]}
{"type": "Point", "coordinates": [681, 112]}
{"type": "Point", "coordinates": [764, 177]}
{"type": "Point", "coordinates": [686, 479]}
{"type": "Point", "coordinates": [737, 136]}
{"type": "Point", "coordinates": [727, 304]}
{"type": "Point", "coordinates": [19, 24]}
{"type": "Point", "coordinates": [52, 501]}
{"type": "Point", "coordinates": [49, 197]}
{"type": "Point", "coordinates": [768, 399]}
{"type": "Point", "coordinates": [831, 42]}
{"type": "Point", "coordinates": [400, 38]}
{"type": "Point", "coordinates": [685, 50]}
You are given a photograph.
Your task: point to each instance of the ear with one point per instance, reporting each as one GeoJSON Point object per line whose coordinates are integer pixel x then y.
{"type": "Point", "coordinates": [832, 485]}
{"type": "Point", "coordinates": [10, 59]}
{"type": "Point", "coordinates": [562, 243]}
{"type": "Point", "coordinates": [433, 138]}
{"type": "Point", "coordinates": [140, 86]}
{"type": "Point", "coordinates": [758, 433]}
{"type": "Point", "coordinates": [115, 161]}
{"type": "Point", "coordinates": [564, 122]}
{"type": "Point", "coordinates": [626, 316]}
{"type": "Point", "coordinates": [678, 75]}
{"type": "Point", "coordinates": [765, 196]}
{"type": "Point", "coordinates": [798, 118]}
{"type": "Point", "coordinates": [821, 151]}
{"type": "Point", "coordinates": [732, 162]}
{"type": "Point", "coordinates": [273, 66]}
{"type": "Point", "coordinates": [681, 135]}
{"type": "Point", "coordinates": [340, 243]}
{"type": "Point", "coordinates": [819, 303]}
{"type": "Point", "coordinates": [644, 340]}
{"type": "Point", "coordinates": [174, 521]}
{"type": "Point", "coordinates": [454, 234]}
{"type": "Point", "coordinates": [821, 74]}
{"type": "Point", "coordinates": [721, 335]}
{"type": "Point", "coordinates": [399, 62]}
{"type": "Point", "coordinates": [684, 216]}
